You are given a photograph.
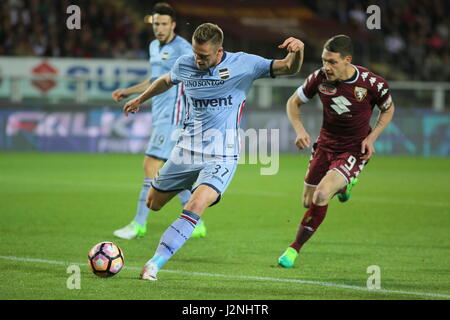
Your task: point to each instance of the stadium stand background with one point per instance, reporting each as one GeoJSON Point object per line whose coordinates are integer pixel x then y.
{"type": "Point", "coordinates": [56, 83]}
{"type": "Point", "coordinates": [413, 43]}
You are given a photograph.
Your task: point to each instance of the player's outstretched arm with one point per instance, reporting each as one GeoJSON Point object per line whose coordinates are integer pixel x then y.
{"type": "Point", "coordinates": [120, 94]}
{"type": "Point", "coordinates": [162, 84]}
{"type": "Point", "coordinates": [384, 118]}
{"type": "Point", "coordinates": [292, 63]}
{"type": "Point", "coordinates": [293, 105]}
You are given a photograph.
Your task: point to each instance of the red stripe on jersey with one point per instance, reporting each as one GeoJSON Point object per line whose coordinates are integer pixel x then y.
{"type": "Point", "coordinates": [241, 109]}
{"type": "Point", "coordinates": [180, 96]}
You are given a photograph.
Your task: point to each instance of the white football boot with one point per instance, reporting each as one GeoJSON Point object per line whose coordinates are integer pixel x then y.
{"type": "Point", "coordinates": [149, 272]}
{"type": "Point", "coordinates": [131, 231]}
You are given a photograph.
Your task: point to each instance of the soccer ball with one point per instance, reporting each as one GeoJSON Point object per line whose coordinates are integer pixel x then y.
{"type": "Point", "coordinates": [105, 259]}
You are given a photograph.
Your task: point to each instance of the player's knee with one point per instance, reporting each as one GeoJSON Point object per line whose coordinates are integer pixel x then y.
{"type": "Point", "coordinates": [321, 196]}
{"type": "Point", "coordinates": [150, 172]}
{"type": "Point", "coordinates": [151, 166]}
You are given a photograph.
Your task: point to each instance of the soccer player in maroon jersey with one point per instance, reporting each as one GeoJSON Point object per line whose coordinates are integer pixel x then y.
{"type": "Point", "coordinates": [348, 93]}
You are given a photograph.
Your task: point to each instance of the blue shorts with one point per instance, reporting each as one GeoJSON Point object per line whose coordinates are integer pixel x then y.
{"type": "Point", "coordinates": [163, 139]}
{"type": "Point", "coordinates": [215, 173]}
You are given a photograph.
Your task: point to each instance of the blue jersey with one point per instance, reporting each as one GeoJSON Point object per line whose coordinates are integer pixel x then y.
{"type": "Point", "coordinates": [215, 100]}
{"type": "Point", "coordinates": [167, 108]}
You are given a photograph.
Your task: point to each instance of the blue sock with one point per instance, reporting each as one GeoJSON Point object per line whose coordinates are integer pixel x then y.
{"type": "Point", "coordinates": [142, 211]}
{"type": "Point", "coordinates": [184, 197]}
{"type": "Point", "coordinates": [174, 237]}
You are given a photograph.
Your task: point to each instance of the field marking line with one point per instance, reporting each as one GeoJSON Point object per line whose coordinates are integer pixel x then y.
{"type": "Point", "coordinates": [256, 193]}
{"type": "Point", "coordinates": [218, 275]}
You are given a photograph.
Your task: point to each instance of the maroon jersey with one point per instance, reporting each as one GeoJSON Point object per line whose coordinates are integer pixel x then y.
{"type": "Point", "coordinates": [347, 107]}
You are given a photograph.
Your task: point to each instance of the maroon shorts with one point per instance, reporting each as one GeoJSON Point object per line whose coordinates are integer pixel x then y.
{"type": "Point", "coordinates": [348, 164]}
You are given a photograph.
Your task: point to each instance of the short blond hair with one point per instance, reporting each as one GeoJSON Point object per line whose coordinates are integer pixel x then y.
{"type": "Point", "coordinates": [208, 32]}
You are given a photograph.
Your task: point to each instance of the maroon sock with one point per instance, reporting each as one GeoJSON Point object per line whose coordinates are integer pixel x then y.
{"type": "Point", "coordinates": [311, 221]}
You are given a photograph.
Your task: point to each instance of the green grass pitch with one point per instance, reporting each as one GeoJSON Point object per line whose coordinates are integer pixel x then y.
{"type": "Point", "coordinates": [55, 207]}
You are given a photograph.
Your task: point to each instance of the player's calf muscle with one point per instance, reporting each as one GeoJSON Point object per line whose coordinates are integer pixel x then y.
{"type": "Point", "coordinates": [307, 199]}
{"type": "Point", "coordinates": [199, 204]}
{"type": "Point", "coordinates": [196, 205]}
{"type": "Point", "coordinates": [156, 200]}
{"type": "Point", "coordinates": [201, 199]}
{"type": "Point", "coordinates": [307, 203]}
{"type": "Point", "coordinates": [154, 206]}
{"type": "Point", "coordinates": [308, 193]}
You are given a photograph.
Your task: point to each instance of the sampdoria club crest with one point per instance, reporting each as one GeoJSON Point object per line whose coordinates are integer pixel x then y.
{"type": "Point", "coordinates": [224, 73]}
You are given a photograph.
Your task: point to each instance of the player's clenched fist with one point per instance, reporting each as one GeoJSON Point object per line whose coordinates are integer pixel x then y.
{"type": "Point", "coordinates": [292, 45]}
{"type": "Point", "coordinates": [303, 140]}
{"type": "Point", "coordinates": [118, 95]}
{"type": "Point", "coordinates": [367, 149]}
{"type": "Point", "coordinates": [132, 106]}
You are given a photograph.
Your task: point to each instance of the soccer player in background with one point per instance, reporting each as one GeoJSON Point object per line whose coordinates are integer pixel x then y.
{"type": "Point", "coordinates": [167, 114]}
{"type": "Point", "coordinates": [216, 83]}
{"type": "Point", "coordinates": [348, 94]}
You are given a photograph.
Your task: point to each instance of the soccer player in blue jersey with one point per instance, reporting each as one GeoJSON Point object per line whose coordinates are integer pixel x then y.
{"type": "Point", "coordinates": [167, 113]}
{"type": "Point", "coordinates": [206, 155]}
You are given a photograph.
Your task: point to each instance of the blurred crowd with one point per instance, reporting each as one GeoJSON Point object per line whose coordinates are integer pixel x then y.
{"type": "Point", "coordinates": [38, 28]}
{"type": "Point", "coordinates": [414, 37]}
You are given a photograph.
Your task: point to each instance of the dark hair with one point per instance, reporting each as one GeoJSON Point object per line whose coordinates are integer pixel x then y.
{"type": "Point", "coordinates": [341, 44]}
{"type": "Point", "coordinates": [208, 32]}
{"type": "Point", "coordinates": [163, 8]}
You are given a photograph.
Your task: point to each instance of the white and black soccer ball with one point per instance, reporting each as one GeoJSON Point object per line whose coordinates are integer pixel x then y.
{"type": "Point", "coordinates": [105, 259]}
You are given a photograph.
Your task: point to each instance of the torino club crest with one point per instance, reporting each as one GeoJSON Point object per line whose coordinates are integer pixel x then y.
{"type": "Point", "coordinates": [360, 93]}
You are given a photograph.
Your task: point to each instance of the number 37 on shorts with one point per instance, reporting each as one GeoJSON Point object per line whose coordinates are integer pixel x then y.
{"type": "Point", "coordinates": [219, 174]}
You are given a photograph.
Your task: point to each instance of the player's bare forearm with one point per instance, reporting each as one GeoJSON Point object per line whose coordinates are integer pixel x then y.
{"type": "Point", "coordinates": [293, 105]}
{"type": "Point", "coordinates": [139, 88]}
{"type": "Point", "coordinates": [160, 85]}
{"type": "Point", "coordinates": [289, 65]}
{"type": "Point", "coordinates": [292, 63]}
{"type": "Point", "coordinates": [367, 146]}
{"type": "Point", "coordinates": [120, 94]}
{"type": "Point", "coordinates": [293, 113]}
{"type": "Point", "coordinates": [384, 118]}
